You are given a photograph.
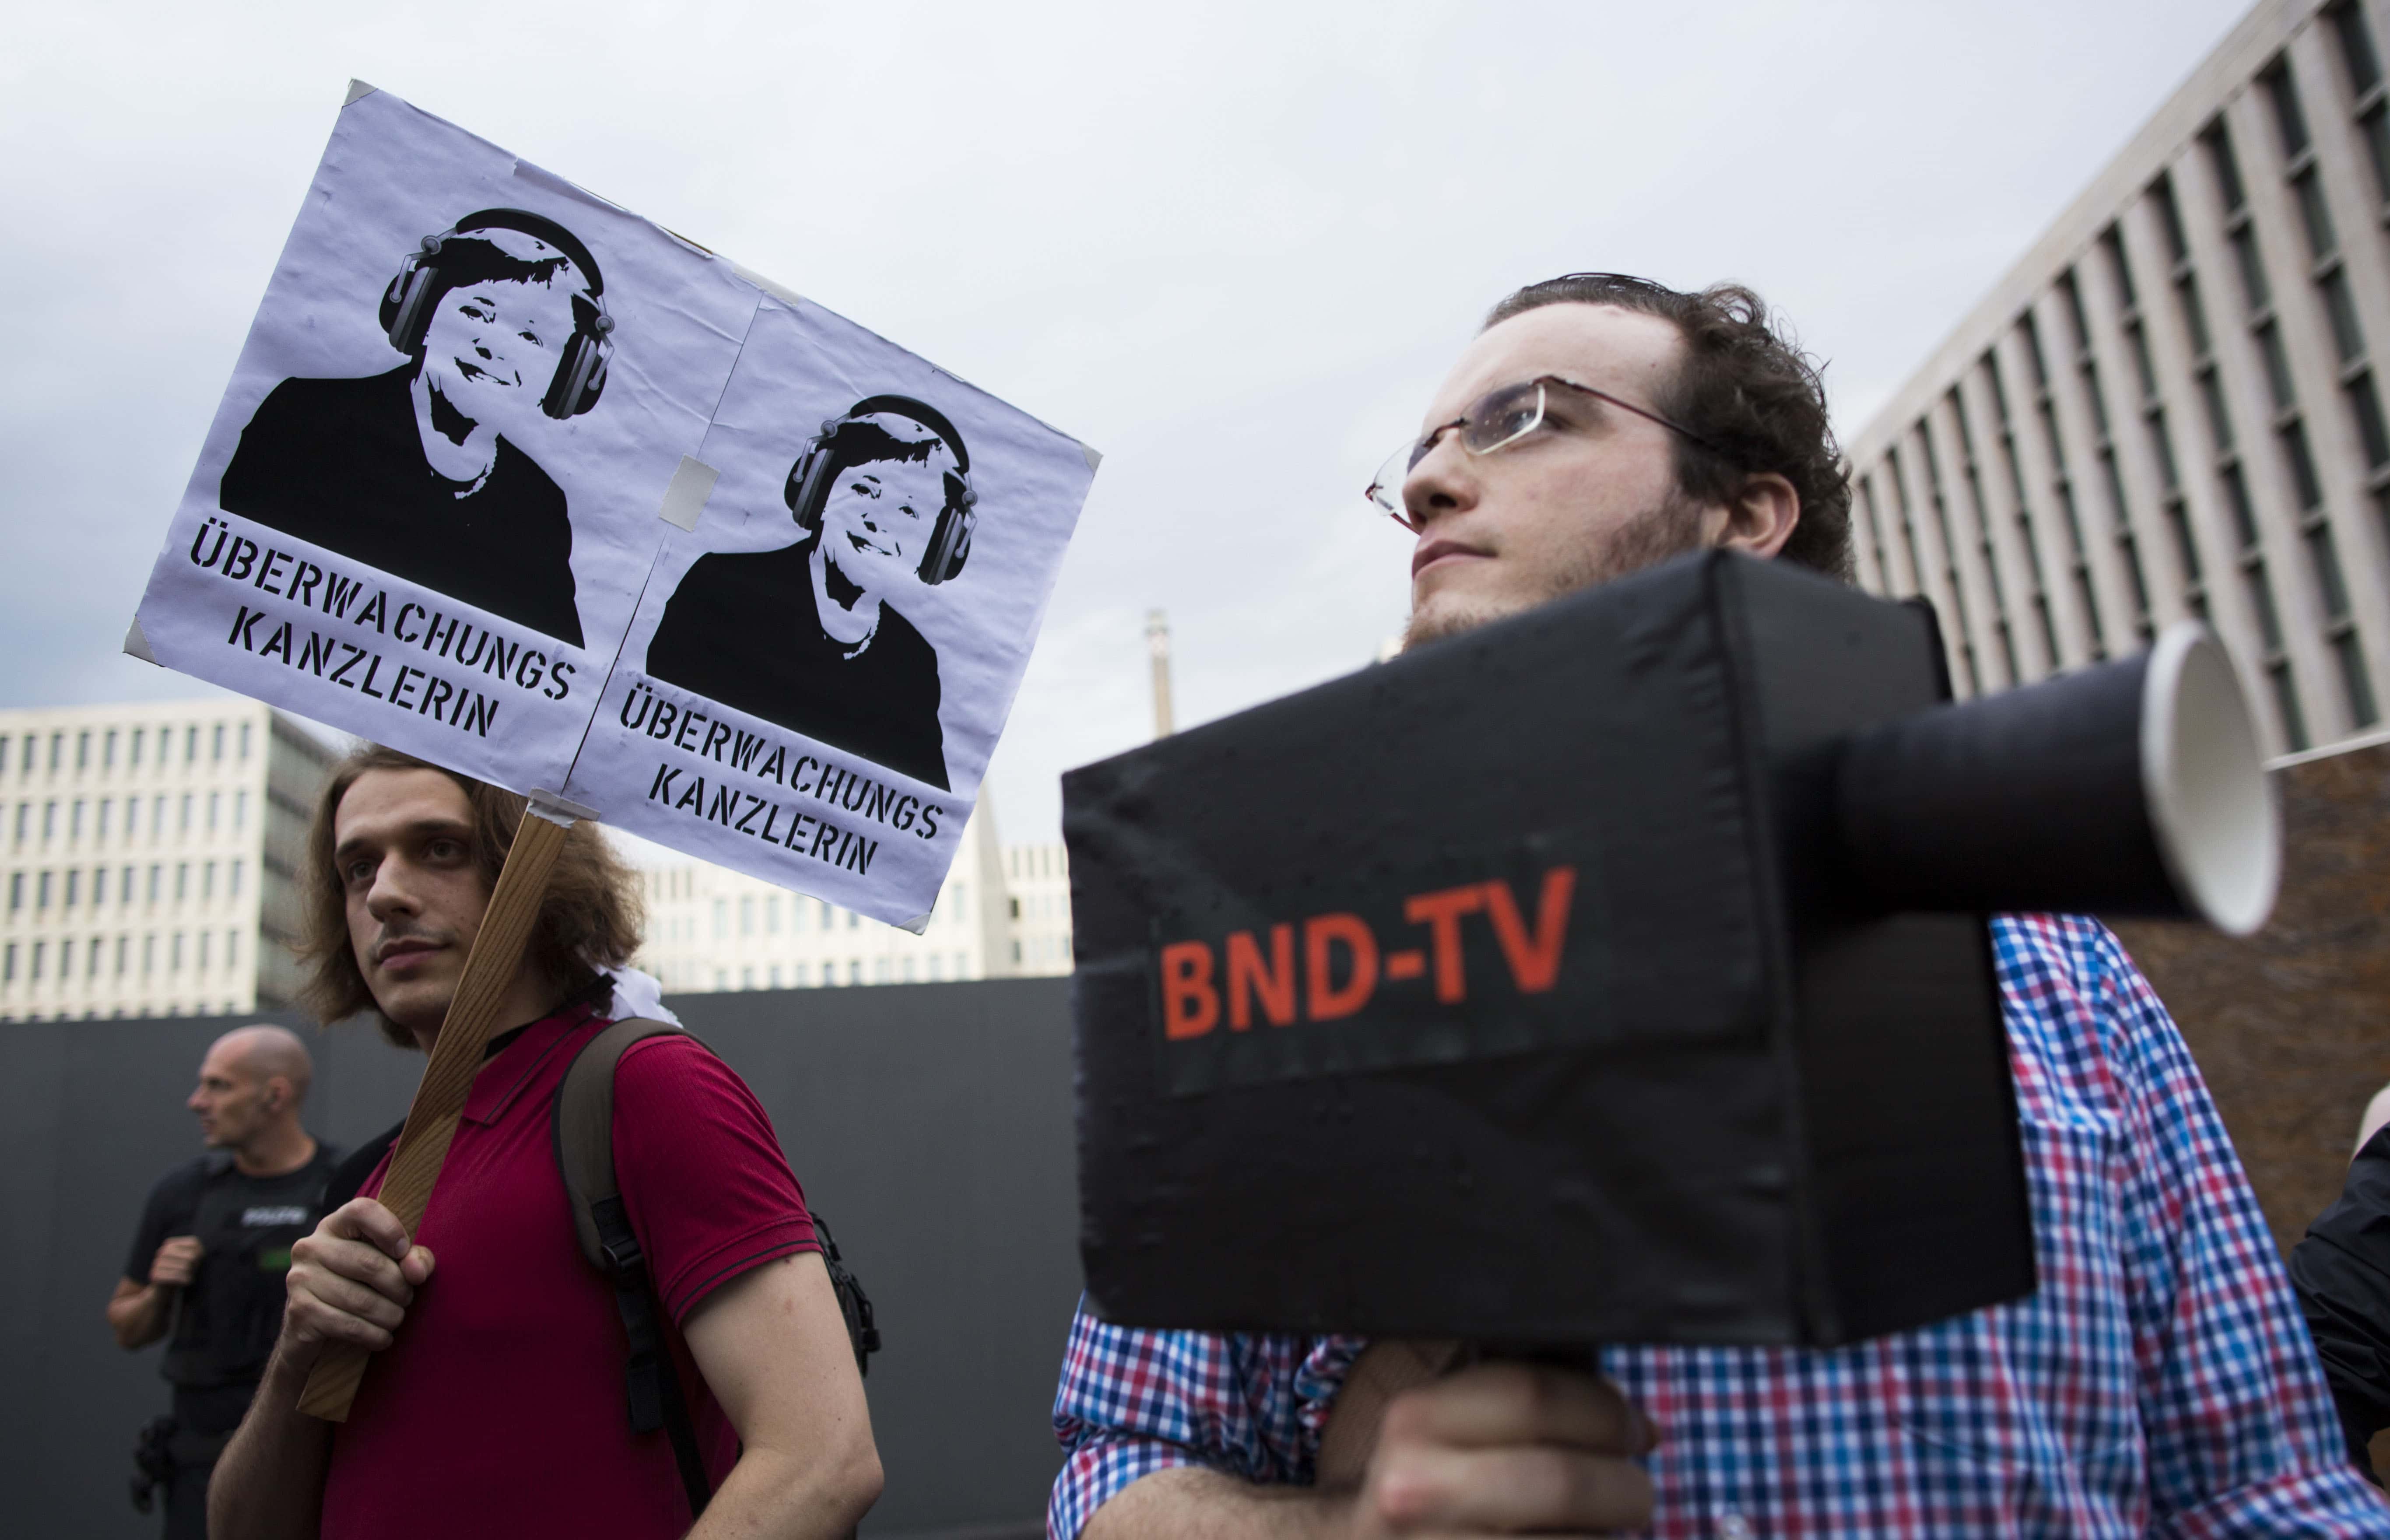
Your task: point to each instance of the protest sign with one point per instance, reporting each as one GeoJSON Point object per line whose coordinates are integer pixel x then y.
{"type": "Point", "coordinates": [1547, 974]}
{"type": "Point", "coordinates": [1616, 971]}
{"type": "Point", "coordinates": [743, 723]}
{"type": "Point", "coordinates": [493, 441]}
{"type": "Point", "coordinates": [519, 482]}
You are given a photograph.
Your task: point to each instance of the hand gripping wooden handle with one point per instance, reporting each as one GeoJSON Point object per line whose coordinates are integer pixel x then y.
{"type": "Point", "coordinates": [456, 1058]}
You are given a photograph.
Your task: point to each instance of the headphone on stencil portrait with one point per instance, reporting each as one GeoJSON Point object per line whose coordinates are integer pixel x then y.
{"type": "Point", "coordinates": [809, 482]}
{"type": "Point", "coordinates": [407, 303]}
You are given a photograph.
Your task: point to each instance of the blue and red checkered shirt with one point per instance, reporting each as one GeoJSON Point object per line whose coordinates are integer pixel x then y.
{"type": "Point", "coordinates": [2160, 1381]}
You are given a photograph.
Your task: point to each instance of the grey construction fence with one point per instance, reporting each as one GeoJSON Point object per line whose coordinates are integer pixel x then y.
{"type": "Point", "coordinates": [933, 1125]}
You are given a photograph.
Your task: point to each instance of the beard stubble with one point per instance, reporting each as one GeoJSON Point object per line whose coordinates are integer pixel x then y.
{"type": "Point", "coordinates": [1672, 529]}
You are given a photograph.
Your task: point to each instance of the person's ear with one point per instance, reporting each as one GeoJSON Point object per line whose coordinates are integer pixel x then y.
{"type": "Point", "coordinates": [1761, 515]}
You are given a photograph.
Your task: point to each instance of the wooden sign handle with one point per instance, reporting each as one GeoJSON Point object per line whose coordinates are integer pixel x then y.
{"type": "Point", "coordinates": [456, 1058]}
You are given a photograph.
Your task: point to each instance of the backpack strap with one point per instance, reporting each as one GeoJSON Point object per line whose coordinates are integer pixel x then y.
{"type": "Point", "coordinates": [862, 1329]}
{"type": "Point", "coordinates": [582, 1122]}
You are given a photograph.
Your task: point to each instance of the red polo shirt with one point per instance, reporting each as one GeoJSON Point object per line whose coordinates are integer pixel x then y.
{"type": "Point", "coordinates": [500, 1411]}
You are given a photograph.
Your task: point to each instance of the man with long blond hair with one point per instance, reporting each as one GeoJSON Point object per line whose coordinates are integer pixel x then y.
{"type": "Point", "coordinates": [494, 1404]}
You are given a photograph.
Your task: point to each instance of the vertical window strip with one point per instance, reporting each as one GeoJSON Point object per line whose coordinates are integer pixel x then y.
{"type": "Point", "coordinates": [2355, 682]}
{"type": "Point", "coordinates": [2072, 293]}
{"type": "Point", "coordinates": [1982, 512]}
{"type": "Point", "coordinates": [2031, 331]}
{"type": "Point", "coordinates": [2298, 457]}
{"type": "Point", "coordinates": [1900, 510]}
{"type": "Point", "coordinates": [2194, 316]}
{"type": "Point", "coordinates": [2226, 166]}
{"type": "Point", "coordinates": [1949, 556]}
{"type": "Point", "coordinates": [2112, 477]}
{"type": "Point", "coordinates": [2219, 416]}
{"type": "Point", "coordinates": [2162, 447]}
{"type": "Point", "coordinates": [1875, 526]}
{"type": "Point", "coordinates": [2373, 128]}
{"type": "Point", "coordinates": [2269, 636]}
{"type": "Point", "coordinates": [2171, 220]}
{"type": "Point", "coordinates": [2062, 485]}
{"type": "Point", "coordinates": [2290, 121]}
{"type": "Point", "coordinates": [2255, 292]}
{"type": "Point", "coordinates": [2088, 369]}
{"type": "Point", "coordinates": [2278, 367]}
{"type": "Point", "coordinates": [2339, 626]}
{"type": "Point", "coordinates": [2340, 309]}
{"type": "Point", "coordinates": [2186, 544]}
{"type": "Point", "coordinates": [2129, 548]}
{"type": "Point", "coordinates": [2315, 214]}
{"type": "Point", "coordinates": [2177, 514]}
{"type": "Point", "coordinates": [2138, 338]}
{"type": "Point", "coordinates": [2024, 505]}
{"type": "Point", "coordinates": [2305, 482]}
{"type": "Point", "coordinates": [2236, 499]}
{"type": "Point", "coordinates": [2329, 583]}
{"type": "Point", "coordinates": [2365, 405]}
{"type": "Point", "coordinates": [2112, 242]}
{"type": "Point", "coordinates": [2286, 705]}
{"type": "Point", "coordinates": [2356, 52]}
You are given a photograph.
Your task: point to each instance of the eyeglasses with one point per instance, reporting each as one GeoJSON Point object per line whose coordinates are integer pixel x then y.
{"type": "Point", "coordinates": [1496, 420]}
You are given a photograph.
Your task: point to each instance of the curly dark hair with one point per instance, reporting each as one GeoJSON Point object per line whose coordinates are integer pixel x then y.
{"type": "Point", "coordinates": [1747, 388]}
{"type": "Point", "coordinates": [590, 921]}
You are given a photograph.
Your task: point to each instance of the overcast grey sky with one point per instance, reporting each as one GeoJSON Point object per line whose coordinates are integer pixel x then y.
{"type": "Point", "coordinates": [1233, 246]}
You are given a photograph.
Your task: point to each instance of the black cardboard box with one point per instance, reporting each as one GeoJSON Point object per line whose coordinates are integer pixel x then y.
{"type": "Point", "coordinates": [1508, 990]}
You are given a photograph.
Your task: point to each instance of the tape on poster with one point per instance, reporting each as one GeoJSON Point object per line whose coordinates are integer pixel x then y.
{"type": "Point", "coordinates": [357, 91]}
{"type": "Point", "coordinates": [692, 484]}
{"type": "Point", "coordinates": [558, 810]}
{"type": "Point", "coordinates": [781, 292]}
{"type": "Point", "coordinates": [137, 644]}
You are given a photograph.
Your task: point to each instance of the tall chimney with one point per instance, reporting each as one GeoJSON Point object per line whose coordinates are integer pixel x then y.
{"type": "Point", "coordinates": [1157, 643]}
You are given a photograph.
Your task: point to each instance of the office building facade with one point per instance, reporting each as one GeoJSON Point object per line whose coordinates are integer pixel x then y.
{"type": "Point", "coordinates": [2175, 406]}
{"type": "Point", "coordinates": [712, 929]}
{"type": "Point", "coordinates": [1039, 882]}
{"type": "Point", "coordinates": [1004, 912]}
{"type": "Point", "coordinates": [152, 854]}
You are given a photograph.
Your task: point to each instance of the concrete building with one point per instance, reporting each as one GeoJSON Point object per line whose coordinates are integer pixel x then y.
{"type": "Point", "coordinates": [1005, 912]}
{"type": "Point", "coordinates": [152, 854]}
{"type": "Point", "coordinates": [711, 928]}
{"type": "Point", "coordinates": [2174, 405]}
{"type": "Point", "coordinates": [1038, 879]}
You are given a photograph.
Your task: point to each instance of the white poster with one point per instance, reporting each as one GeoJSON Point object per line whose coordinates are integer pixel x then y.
{"type": "Point", "coordinates": [515, 481]}
{"type": "Point", "coordinates": [817, 672]}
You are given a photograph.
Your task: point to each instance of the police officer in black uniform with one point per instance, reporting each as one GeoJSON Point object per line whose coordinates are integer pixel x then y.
{"type": "Point", "coordinates": [207, 1266]}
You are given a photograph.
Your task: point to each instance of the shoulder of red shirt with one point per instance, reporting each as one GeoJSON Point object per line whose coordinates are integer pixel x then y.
{"type": "Point", "coordinates": [704, 1179]}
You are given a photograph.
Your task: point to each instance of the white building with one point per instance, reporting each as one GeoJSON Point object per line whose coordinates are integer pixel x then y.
{"type": "Point", "coordinates": [2168, 408]}
{"type": "Point", "coordinates": [1038, 907]}
{"type": "Point", "coordinates": [152, 854]}
{"type": "Point", "coordinates": [712, 929]}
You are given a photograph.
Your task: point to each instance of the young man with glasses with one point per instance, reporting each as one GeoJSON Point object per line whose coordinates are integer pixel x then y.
{"type": "Point", "coordinates": [2159, 1381]}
